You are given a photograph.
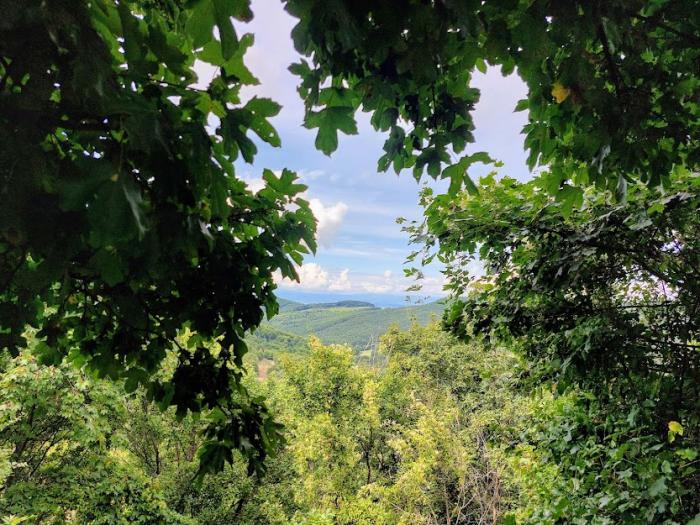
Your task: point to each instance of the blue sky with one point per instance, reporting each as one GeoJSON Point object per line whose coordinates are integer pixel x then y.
{"type": "Point", "coordinates": [361, 248]}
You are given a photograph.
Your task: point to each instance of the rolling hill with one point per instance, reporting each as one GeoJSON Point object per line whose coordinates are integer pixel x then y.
{"type": "Point", "coordinates": [356, 323]}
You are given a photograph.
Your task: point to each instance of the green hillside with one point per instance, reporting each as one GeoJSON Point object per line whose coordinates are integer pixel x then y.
{"type": "Point", "coordinates": [287, 304]}
{"type": "Point", "coordinates": [338, 304]}
{"type": "Point", "coordinates": [356, 325]}
{"type": "Point", "coordinates": [268, 340]}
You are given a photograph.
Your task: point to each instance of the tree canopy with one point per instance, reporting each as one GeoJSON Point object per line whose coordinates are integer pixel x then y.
{"type": "Point", "coordinates": [126, 236]}
{"type": "Point", "coordinates": [122, 220]}
{"type": "Point", "coordinates": [612, 86]}
{"type": "Point", "coordinates": [441, 431]}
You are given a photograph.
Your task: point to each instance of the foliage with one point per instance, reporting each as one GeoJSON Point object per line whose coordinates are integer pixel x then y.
{"type": "Point", "coordinates": [267, 341]}
{"type": "Point", "coordinates": [443, 432]}
{"type": "Point", "coordinates": [398, 444]}
{"type": "Point", "coordinates": [605, 299]}
{"type": "Point", "coordinates": [612, 86]}
{"type": "Point", "coordinates": [622, 276]}
{"type": "Point", "coordinates": [595, 464]}
{"type": "Point", "coordinates": [59, 428]}
{"type": "Point", "coordinates": [357, 326]}
{"type": "Point", "coordinates": [401, 444]}
{"type": "Point", "coordinates": [129, 248]}
{"type": "Point", "coordinates": [122, 218]}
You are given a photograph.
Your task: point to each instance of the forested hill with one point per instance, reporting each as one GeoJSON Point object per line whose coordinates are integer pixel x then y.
{"type": "Point", "coordinates": [356, 323]}
{"type": "Point", "coordinates": [287, 305]}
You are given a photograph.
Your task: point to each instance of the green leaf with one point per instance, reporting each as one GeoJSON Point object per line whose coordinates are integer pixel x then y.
{"type": "Point", "coordinates": [200, 25]}
{"type": "Point", "coordinates": [135, 200]}
{"type": "Point", "coordinates": [109, 266]}
{"type": "Point", "coordinates": [457, 173]}
{"type": "Point", "coordinates": [47, 355]}
{"type": "Point", "coordinates": [262, 109]}
{"type": "Point", "coordinates": [78, 190]}
{"type": "Point", "coordinates": [658, 487]}
{"type": "Point", "coordinates": [522, 105]}
{"type": "Point", "coordinates": [329, 121]}
{"type": "Point", "coordinates": [675, 427]}
{"type": "Point", "coordinates": [688, 454]}
{"type": "Point", "coordinates": [227, 33]}
{"type": "Point", "coordinates": [284, 184]}
{"type": "Point", "coordinates": [569, 197]}
{"type": "Point", "coordinates": [212, 458]}
{"type": "Point", "coordinates": [135, 49]}
{"type": "Point", "coordinates": [241, 10]}
{"type": "Point", "coordinates": [695, 520]}
{"type": "Point", "coordinates": [164, 46]}
{"type": "Point", "coordinates": [509, 519]}
{"type": "Point", "coordinates": [233, 68]}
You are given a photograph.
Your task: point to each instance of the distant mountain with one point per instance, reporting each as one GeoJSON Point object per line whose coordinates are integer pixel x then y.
{"type": "Point", "coordinates": [337, 304]}
{"type": "Point", "coordinates": [287, 304]}
{"type": "Point", "coordinates": [356, 323]}
{"type": "Point", "coordinates": [380, 300]}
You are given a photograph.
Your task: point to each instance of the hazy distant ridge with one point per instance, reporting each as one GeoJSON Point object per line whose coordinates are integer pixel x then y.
{"type": "Point", "coordinates": [357, 323]}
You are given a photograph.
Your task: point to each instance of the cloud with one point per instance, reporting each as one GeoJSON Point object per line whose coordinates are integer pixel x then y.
{"type": "Point", "coordinates": [309, 175]}
{"type": "Point", "coordinates": [342, 283]}
{"type": "Point", "coordinates": [313, 277]}
{"type": "Point", "coordinates": [255, 184]}
{"type": "Point", "coordinates": [388, 283]}
{"type": "Point", "coordinates": [330, 219]}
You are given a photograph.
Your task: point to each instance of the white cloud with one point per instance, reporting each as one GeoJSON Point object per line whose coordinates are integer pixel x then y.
{"type": "Point", "coordinates": [330, 219]}
{"type": "Point", "coordinates": [313, 277]}
{"type": "Point", "coordinates": [433, 285]}
{"type": "Point", "coordinates": [254, 184]}
{"type": "Point", "coordinates": [342, 283]}
{"type": "Point", "coordinates": [309, 175]}
{"type": "Point", "coordinates": [378, 288]}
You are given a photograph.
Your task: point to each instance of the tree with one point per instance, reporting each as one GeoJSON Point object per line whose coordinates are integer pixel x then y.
{"type": "Point", "coordinates": [603, 301]}
{"type": "Point", "coordinates": [123, 221]}
{"type": "Point", "coordinates": [326, 391]}
{"type": "Point", "coordinates": [593, 275]}
{"type": "Point", "coordinates": [59, 431]}
{"type": "Point", "coordinates": [446, 432]}
{"type": "Point", "coordinates": [612, 86]}
{"type": "Point", "coordinates": [611, 275]}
